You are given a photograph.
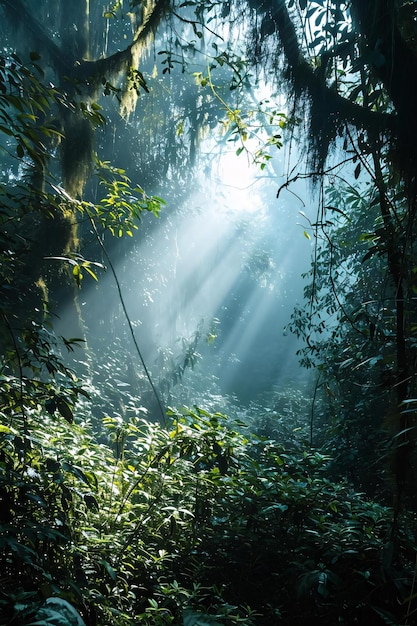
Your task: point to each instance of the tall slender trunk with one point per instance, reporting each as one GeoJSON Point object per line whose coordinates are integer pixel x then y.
{"type": "Point", "coordinates": [395, 264]}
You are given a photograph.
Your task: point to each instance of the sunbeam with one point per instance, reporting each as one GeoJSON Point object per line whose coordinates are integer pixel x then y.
{"type": "Point", "coordinates": [222, 256]}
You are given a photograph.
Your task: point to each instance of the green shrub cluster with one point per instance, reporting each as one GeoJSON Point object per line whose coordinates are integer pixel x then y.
{"type": "Point", "coordinates": [196, 524]}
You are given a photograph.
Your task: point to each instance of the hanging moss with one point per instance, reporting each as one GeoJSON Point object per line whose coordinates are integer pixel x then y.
{"type": "Point", "coordinates": [77, 151]}
{"type": "Point", "coordinates": [82, 76]}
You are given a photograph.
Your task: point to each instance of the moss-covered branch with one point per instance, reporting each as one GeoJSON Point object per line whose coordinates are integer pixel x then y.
{"type": "Point", "coordinates": [120, 61]}
{"type": "Point", "coordinates": [67, 67]}
{"type": "Point", "coordinates": [329, 109]}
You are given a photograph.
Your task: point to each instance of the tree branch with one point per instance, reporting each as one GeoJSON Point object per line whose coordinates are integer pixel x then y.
{"type": "Point", "coordinates": [120, 61]}
{"type": "Point", "coordinates": [20, 17]}
{"type": "Point", "coordinates": [304, 79]}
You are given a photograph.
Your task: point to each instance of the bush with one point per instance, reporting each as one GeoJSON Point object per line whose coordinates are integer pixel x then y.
{"type": "Point", "coordinates": [199, 524]}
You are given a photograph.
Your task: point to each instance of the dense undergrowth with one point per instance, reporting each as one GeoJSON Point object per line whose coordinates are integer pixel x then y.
{"type": "Point", "coordinates": [200, 523]}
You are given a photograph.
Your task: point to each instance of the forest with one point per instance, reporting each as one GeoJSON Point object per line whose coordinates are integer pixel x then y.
{"type": "Point", "coordinates": [208, 319]}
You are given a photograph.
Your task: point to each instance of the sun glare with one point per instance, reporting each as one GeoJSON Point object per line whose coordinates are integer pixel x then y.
{"type": "Point", "coordinates": [238, 178]}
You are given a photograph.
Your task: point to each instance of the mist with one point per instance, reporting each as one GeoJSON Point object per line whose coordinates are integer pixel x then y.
{"type": "Point", "coordinates": [209, 288]}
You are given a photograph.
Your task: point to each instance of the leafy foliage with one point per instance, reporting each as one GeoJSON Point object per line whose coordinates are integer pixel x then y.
{"type": "Point", "coordinates": [200, 522]}
{"type": "Point", "coordinates": [349, 325]}
{"type": "Point", "coordinates": [122, 204]}
{"type": "Point", "coordinates": [118, 520]}
{"type": "Point", "coordinates": [20, 129]}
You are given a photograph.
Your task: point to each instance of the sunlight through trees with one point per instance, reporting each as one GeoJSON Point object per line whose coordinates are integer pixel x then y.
{"type": "Point", "coordinates": [208, 322]}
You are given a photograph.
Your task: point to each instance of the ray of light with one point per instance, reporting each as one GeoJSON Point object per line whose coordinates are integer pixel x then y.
{"type": "Point", "coordinates": [199, 263]}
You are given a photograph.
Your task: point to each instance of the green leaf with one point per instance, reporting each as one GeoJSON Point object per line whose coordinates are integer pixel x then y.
{"type": "Point", "coordinates": [6, 429]}
{"type": "Point", "coordinates": [90, 271]}
{"type": "Point", "coordinates": [91, 502]}
{"type": "Point", "coordinates": [65, 410]}
{"type": "Point", "coordinates": [109, 569]}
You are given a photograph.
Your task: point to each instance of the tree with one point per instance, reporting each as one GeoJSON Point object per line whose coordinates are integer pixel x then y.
{"type": "Point", "coordinates": [347, 323]}
{"type": "Point", "coordinates": [91, 52]}
{"type": "Point", "coordinates": [350, 66]}
{"type": "Point", "coordinates": [82, 66]}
